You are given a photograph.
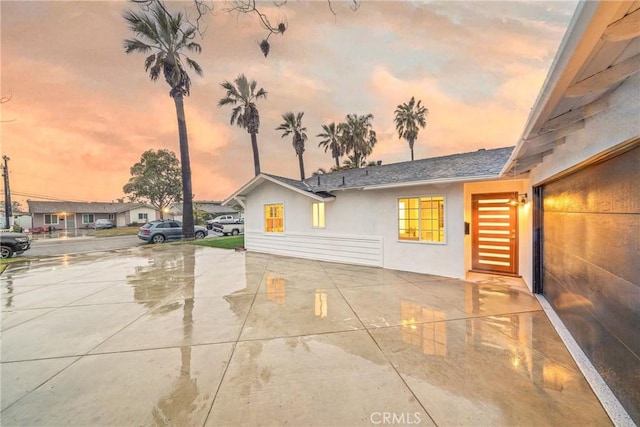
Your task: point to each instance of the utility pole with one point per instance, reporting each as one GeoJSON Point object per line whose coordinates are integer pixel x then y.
{"type": "Point", "coordinates": [7, 192]}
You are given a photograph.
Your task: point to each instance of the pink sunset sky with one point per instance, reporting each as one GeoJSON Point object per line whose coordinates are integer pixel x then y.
{"type": "Point", "coordinates": [82, 111]}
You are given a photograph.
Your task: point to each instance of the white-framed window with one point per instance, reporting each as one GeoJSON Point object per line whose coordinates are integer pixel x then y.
{"type": "Point", "coordinates": [317, 214]}
{"type": "Point", "coordinates": [421, 219]}
{"type": "Point", "coordinates": [274, 218]}
{"type": "Point", "coordinates": [50, 219]}
{"type": "Point", "coordinates": [111, 216]}
{"type": "Point", "coordinates": [143, 216]}
{"type": "Point", "coordinates": [88, 218]}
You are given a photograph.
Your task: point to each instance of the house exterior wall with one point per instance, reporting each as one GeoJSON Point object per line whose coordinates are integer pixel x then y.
{"type": "Point", "coordinates": [134, 215]}
{"type": "Point", "coordinates": [361, 228]}
{"type": "Point", "coordinates": [525, 256]}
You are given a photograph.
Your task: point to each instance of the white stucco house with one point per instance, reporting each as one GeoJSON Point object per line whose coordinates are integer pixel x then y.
{"type": "Point", "coordinates": [412, 216]}
{"type": "Point", "coordinates": [561, 209]}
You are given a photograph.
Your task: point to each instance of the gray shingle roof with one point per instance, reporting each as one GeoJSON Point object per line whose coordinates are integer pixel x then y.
{"type": "Point", "coordinates": [80, 207]}
{"type": "Point", "coordinates": [465, 166]}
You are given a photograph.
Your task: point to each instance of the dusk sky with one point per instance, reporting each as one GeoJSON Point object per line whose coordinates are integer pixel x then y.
{"type": "Point", "coordinates": [82, 111]}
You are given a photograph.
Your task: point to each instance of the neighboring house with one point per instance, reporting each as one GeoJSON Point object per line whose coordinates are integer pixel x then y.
{"type": "Point", "coordinates": [581, 152]}
{"type": "Point", "coordinates": [71, 215]}
{"type": "Point", "coordinates": [212, 208]}
{"type": "Point", "coordinates": [411, 216]}
{"type": "Point", "coordinates": [21, 219]}
{"type": "Point", "coordinates": [562, 209]}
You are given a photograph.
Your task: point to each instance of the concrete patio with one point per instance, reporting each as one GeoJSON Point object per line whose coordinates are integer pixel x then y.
{"type": "Point", "coordinates": [193, 336]}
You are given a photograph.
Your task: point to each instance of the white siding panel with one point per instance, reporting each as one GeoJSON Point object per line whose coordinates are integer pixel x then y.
{"type": "Point", "coordinates": [365, 250]}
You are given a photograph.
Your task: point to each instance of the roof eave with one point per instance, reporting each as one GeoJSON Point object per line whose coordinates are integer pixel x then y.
{"type": "Point", "coordinates": [574, 49]}
{"type": "Point", "coordinates": [259, 179]}
{"type": "Point", "coordinates": [454, 180]}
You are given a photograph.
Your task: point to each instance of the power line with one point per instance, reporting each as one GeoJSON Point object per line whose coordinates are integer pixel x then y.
{"type": "Point", "coordinates": [46, 197]}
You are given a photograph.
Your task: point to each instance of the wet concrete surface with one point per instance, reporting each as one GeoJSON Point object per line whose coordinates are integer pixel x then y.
{"type": "Point", "coordinates": [75, 245]}
{"type": "Point", "coordinates": [195, 336]}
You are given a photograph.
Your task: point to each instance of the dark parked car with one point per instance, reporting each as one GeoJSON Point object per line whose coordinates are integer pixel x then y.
{"type": "Point", "coordinates": [103, 224]}
{"type": "Point", "coordinates": [13, 244]}
{"type": "Point", "coordinates": [166, 230]}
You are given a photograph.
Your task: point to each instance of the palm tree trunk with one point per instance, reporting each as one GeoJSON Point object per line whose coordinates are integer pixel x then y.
{"type": "Point", "coordinates": [412, 154]}
{"type": "Point", "coordinates": [411, 147]}
{"type": "Point", "coordinates": [256, 155]}
{"type": "Point", "coordinates": [337, 162]}
{"type": "Point", "coordinates": [185, 164]}
{"type": "Point", "coordinates": [301, 163]}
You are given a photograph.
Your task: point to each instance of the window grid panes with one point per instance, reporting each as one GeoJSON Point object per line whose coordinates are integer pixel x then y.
{"type": "Point", "coordinates": [274, 218]}
{"type": "Point", "coordinates": [421, 218]}
{"type": "Point", "coordinates": [143, 216]}
{"type": "Point", "coordinates": [87, 218]}
{"type": "Point", "coordinates": [318, 214]}
{"type": "Point", "coordinates": [50, 219]}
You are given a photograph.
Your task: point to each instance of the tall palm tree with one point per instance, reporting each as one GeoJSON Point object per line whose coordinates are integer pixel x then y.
{"type": "Point", "coordinates": [293, 125]}
{"type": "Point", "coordinates": [331, 141]}
{"type": "Point", "coordinates": [407, 118]}
{"type": "Point", "coordinates": [245, 114]}
{"type": "Point", "coordinates": [358, 137]}
{"type": "Point", "coordinates": [166, 37]}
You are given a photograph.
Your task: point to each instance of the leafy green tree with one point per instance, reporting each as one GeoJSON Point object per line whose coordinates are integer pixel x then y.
{"type": "Point", "coordinates": [358, 138]}
{"type": "Point", "coordinates": [409, 118]}
{"type": "Point", "coordinates": [155, 180]}
{"type": "Point", "coordinates": [166, 37]}
{"type": "Point", "coordinates": [293, 125]}
{"type": "Point", "coordinates": [245, 114]}
{"type": "Point", "coordinates": [332, 141]}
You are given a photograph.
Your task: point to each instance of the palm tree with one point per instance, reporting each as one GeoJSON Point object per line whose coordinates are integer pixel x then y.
{"type": "Point", "coordinates": [293, 125]}
{"type": "Point", "coordinates": [358, 137]}
{"type": "Point", "coordinates": [331, 141]}
{"type": "Point", "coordinates": [166, 37]}
{"type": "Point", "coordinates": [245, 115]}
{"type": "Point", "coordinates": [407, 119]}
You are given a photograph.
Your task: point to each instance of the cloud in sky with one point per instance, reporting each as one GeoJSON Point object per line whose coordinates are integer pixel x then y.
{"type": "Point", "coordinates": [82, 112]}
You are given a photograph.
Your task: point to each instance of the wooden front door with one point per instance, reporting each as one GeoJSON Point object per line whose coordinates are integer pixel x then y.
{"type": "Point", "coordinates": [495, 233]}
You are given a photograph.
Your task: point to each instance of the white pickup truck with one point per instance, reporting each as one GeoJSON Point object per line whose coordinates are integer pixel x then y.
{"type": "Point", "coordinates": [229, 227]}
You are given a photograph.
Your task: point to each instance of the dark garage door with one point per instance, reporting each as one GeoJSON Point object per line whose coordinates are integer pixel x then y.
{"type": "Point", "coordinates": [591, 266]}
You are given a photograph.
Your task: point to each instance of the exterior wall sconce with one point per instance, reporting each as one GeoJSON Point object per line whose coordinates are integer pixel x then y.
{"type": "Point", "coordinates": [521, 200]}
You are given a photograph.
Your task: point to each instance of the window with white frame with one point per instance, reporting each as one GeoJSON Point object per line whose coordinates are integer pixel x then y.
{"type": "Point", "coordinates": [88, 218]}
{"type": "Point", "coordinates": [111, 216]}
{"type": "Point", "coordinates": [421, 218]}
{"type": "Point", "coordinates": [50, 219]}
{"type": "Point", "coordinates": [317, 214]}
{"type": "Point", "coordinates": [274, 218]}
{"type": "Point", "coordinates": [143, 216]}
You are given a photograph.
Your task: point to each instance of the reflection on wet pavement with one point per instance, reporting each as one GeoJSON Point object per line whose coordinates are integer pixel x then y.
{"type": "Point", "coordinates": [186, 335]}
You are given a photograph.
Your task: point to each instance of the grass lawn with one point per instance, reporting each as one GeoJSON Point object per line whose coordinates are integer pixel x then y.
{"type": "Point", "coordinates": [230, 242]}
{"type": "Point", "coordinates": [4, 262]}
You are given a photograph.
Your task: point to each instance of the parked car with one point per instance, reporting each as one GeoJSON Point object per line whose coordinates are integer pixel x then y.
{"type": "Point", "coordinates": [234, 228]}
{"type": "Point", "coordinates": [220, 220]}
{"type": "Point", "coordinates": [13, 244]}
{"type": "Point", "coordinates": [166, 230]}
{"type": "Point", "coordinates": [103, 224]}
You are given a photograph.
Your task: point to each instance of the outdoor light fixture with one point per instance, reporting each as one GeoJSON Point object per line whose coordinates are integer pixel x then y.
{"type": "Point", "coordinates": [521, 200]}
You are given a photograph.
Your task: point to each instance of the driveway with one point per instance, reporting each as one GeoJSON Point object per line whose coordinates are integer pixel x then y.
{"type": "Point", "coordinates": [196, 336]}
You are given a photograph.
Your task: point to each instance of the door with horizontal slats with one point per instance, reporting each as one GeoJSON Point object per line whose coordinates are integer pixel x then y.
{"type": "Point", "coordinates": [495, 233]}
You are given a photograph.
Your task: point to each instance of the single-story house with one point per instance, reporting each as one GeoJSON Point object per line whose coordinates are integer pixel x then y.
{"type": "Point", "coordinates": [561, 209]}
{"type": "Point", "coordinates": [71, 215]}
{"type": "Point", "coordinates": [414, 216]}
{"type": "Point", "coordinates": [212, 209]}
